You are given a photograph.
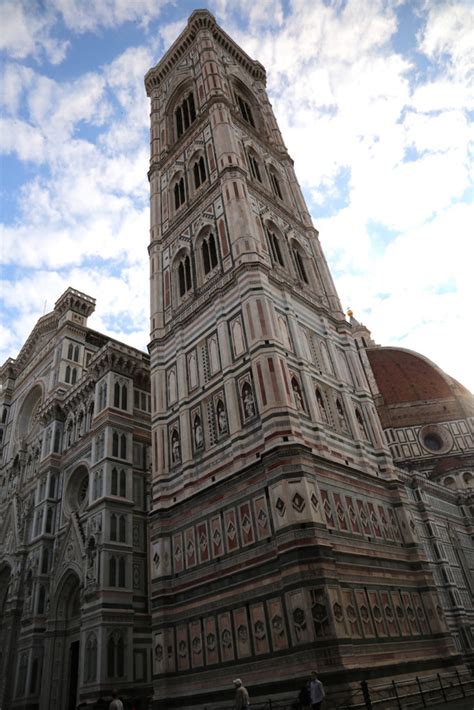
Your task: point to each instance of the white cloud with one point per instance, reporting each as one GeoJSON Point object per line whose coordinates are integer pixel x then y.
{"type": "Point", "coordinates": [449, 32]}
{"type": "Point", "coordinates": [26, 30]}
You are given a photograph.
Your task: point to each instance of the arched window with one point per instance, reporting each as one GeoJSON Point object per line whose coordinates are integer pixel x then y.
{"type": "Point", "coordinates": [114, 482]}
{"type": "Point", "coordinates": [49, 520]}
{"type": "Point", "coordinates": [185, 114]}
{"type": "Point", "coordinates": [41, 600]}
{"type": "Point", "coordinates": [209, 253]}
{"type": "Point", "coordinates": [254, 167]}
{"type": "Point", "coordinates": [111, 657]}
{"type": "Point", "coordinates": [245, 110]}
{"type": "Point", "coordinates": [112, 571]}
{"type": "Point", "coordinates": [275, 248]}
{"type": "Point", "coordinates": [70, 351]}
{"type": "Point", "coordinates": [113, 527]}
{"type": "Point", "coordinates": [74, 375]}
{"type": "Point", "coordinates": [199, 172]}
{"type": "Point", "coordinates": [67, 377]}
{"type": "Point", "coordinates": [124, 403]}
{"type": "Point", "coordinates": [116, 395]}
{"type": "Point", "coordinates": [184, 275]}
{"type": "Point", "coordinates": [121, 572]}
{"type": "Point", "coordinates": [120, 657]}
{"type": "Point", "coordinates": [123, 446]}
{"type": "Point", "coordinates": [179, 193]}
{"type": "Point", "coordinates": [299, 262]}
{"type": "Point", "coordinates": [76, 353]}
{"type": "Point", "coordinates": [45, 561]}
{"type": "Point", "coordinates": [275, 182]}
{"type": "Point", "coordinates": [122, 532]}
{"type": "Point", "coordinates": [115, 444]}
{"type": "Point", "coordinates": [123, 484]}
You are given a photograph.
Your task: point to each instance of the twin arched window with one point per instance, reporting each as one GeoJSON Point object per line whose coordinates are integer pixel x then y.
{"type": "Point", "coordinates": [199, 172]}
{"type": "Point", "coordinates": [245, 110]}
{"type": "Point", "coordinates": [119, 483]}
{"type": "Point", "coordinates": [275, 182]}
{"type": "Point", "coordinates": [185, 114]}
{"type": "Point", "coordinates": [299, 262]}
{"type": "Point", "coordinates": [184, 275]}
{"type": "Point", "coordinates": [117, 572]}
{"type": "Point", "coordinates": [254, 167]}
{"type": "Point", "coordinates": [119, 445]}
{"type": "Point", "coordinates": [179, 193]}
{"type": "Point", "coordinates": [120, 396]}
{"type": "Point", "coordinates": [71, 375]}
{"type": "Point", "coordinates": [209, 253]}
{"type": "Point", "coordinates": [275, 248]}
{"type": "Point", "coordinates": [118, 528]}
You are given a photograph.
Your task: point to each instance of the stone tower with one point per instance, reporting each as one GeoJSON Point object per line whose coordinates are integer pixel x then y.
{"type": "Point", "coordinates": [279, 539]}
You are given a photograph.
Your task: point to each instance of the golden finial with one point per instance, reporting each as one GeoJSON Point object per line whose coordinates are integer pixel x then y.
{"type": "Point", "coordinates": [350, 312]}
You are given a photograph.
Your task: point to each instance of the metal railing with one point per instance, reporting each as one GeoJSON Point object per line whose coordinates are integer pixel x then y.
{"type": "Point", "coordinates": [411, 694]}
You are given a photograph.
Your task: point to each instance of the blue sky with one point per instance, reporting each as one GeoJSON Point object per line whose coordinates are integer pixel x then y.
{"type": "Point", "coordinates": [374, 100]}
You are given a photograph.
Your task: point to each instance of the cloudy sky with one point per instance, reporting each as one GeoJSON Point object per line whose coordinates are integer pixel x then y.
{"type": "Point", "coordinates": [374, 99]}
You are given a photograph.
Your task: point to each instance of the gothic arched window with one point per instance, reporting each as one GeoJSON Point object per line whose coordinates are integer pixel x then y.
{"type": "Point", "coordinates": [275, 248]}
{"type": "Point", "coordinates": [299, 262]}
{"type": "Point", "coordinates": [209, 253]}
{"type": "Point", "coordinates": [184, 275]}
{"type": "Point", "coordinates": [245, 110]}
{"type": "Point", "coordinates": [179, 193]}
{"type": "Point", "coordinates": [254, 166]}
{"type": "Point", "coordinates": [185, 114]}
{"type": "Point", "coordinates": [199, 172]}
{"type": "Point", "coordinates": [275, 182]}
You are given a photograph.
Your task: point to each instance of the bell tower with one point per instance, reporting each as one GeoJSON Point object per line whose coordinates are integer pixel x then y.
{"type": "Point", "coordinates": [272, 486]}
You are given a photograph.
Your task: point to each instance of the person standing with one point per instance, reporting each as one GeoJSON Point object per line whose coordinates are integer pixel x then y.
{"type": "Point", "coordinates": [116, 703]}
{"type": "Point", "coordinates": [316, 690]}
{"type": "Point", "coordinates": [242, 701]}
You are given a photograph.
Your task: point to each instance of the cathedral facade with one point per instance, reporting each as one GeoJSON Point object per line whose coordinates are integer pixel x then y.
{"type": "Point", "coordinates": [267, 492]}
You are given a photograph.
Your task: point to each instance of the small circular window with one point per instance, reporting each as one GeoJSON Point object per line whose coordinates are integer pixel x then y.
{"type": "Point", "coordinates": [433, 442]}
{"type": "Point", "coordinates": [436, 439]}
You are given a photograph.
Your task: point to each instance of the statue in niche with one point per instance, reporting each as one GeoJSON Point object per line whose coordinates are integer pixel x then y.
{"type": "Point", "coordinates": [297, 395]}
{"type": "Point", "coordinates": [91, 553]}
{"type": "Point", "coordinates": [221, 417]}
{"type": "Point", "coordinates": [198, 433]}
{"type": "Point", "coordinates": [341, 416]}
{"type": "Point", "coordinates": [248, 400]}
{"type": "Point", "coordinates": [175, 448]}
{"type": "Point", "coordinates": [172, 394]}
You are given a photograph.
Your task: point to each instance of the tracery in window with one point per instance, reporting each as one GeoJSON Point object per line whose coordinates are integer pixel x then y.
{"type": "Point", "coordinates": [209, 253]}
{"type": "Point", "coordinates": [185, 114]}
{"type": "Point", "coordinates": [184, 275]}
{"type": "Point", "coordinates": [299, 262]}
{"type": "Point", "coordinates": [199, 172]}
{"type": "Point", "coordinates": [120, 395]}
{"type": "Point", "coordinates": [179, 193]}
{"type": "Point", "coordinates": [254, 167]}
{"type": "Point", "coordinates": [245, 110]}
{"type": "Point", "coordinates": [275, 182]}
{"type": "Point", "coordinates": [275, 248]}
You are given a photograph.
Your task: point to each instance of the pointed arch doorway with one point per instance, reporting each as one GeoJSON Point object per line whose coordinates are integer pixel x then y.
{"type": "Point", "coordinates": [66, 652]}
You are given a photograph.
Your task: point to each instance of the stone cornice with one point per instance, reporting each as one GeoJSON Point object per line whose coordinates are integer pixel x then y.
{"type": "Point", "coordinates": [200, 20]}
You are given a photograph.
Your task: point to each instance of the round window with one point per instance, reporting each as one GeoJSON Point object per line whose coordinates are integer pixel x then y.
{"type": "Point", "coordinates": [433, 442]}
